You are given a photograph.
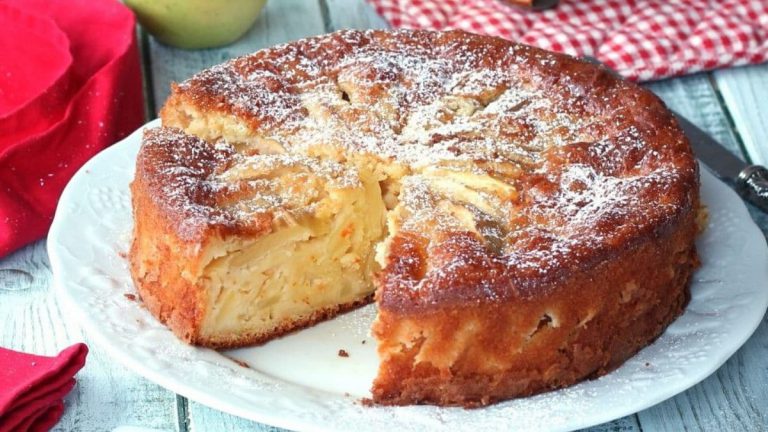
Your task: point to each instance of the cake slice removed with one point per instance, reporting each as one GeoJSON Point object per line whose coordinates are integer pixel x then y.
{"type": "Point", "coordinates": [232, 250]}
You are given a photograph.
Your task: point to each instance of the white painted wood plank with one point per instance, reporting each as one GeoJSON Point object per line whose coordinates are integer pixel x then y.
{"type": "Point", "coordinates": [732, 399]}
{"type": "Point", "coordinates": [203, 419]}
{"type": "Point", "coordinates": [106, 395]}
{"type": "Point", "coordinates": [624, 424]}
{"type": "Point", "coordinates": [281, 21]}
{"type": "Point", "coordinates": [353, 14]}
{"type": "Point", "coordinates": [745, 92]}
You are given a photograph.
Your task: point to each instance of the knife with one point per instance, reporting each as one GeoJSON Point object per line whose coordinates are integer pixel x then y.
{"type": "Point", "coordinates": [749, 181]}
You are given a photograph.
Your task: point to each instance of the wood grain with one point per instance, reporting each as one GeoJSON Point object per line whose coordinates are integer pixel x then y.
{"type": "Point", "coordinates": [354, 14]}
{"type": "Point", "coordinates": [203, 418]}
{"type": "Point", "coordinates": [32, 320]}
{"type": "Point", "coordinates": [745, 92]}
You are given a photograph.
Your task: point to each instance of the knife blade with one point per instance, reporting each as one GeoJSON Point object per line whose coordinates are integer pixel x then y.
{"type": "Point", "coordinates": [750, 181]}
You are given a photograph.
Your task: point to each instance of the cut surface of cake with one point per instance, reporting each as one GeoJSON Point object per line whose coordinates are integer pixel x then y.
{"type": "Point", "coordinates": [524, 220]}
{"type": "Point", "coordinates": [239, 249]}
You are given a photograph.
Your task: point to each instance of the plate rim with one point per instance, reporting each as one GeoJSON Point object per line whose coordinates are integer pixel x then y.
{"type": "Point", "coordinates": [193, 393]}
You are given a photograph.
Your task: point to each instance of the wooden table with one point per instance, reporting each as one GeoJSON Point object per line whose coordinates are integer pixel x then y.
{"type": "Point", "coordinates": [732, 105]}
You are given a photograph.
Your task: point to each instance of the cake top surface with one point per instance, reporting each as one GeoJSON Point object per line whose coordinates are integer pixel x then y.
{"type": "Point", "coordinates": [415, 97]}
{"type": "Point", "coordinates": [206, 187]}
{"type": "Point", "coordinates": [515, 165]}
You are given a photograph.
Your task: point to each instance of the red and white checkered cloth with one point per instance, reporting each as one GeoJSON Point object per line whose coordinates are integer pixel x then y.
{"type": "Point", "coordinates": [641, 39]}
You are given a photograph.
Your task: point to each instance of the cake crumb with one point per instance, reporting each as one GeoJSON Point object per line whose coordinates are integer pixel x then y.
{"type": "Point", "coordinates": [363, 342]}
{"type": "Point", "coordinates": [130, 296]}
{"type": "Point", "coordinates": [343, 353]}
{"type": "Point", "coordinates": [240, 362]}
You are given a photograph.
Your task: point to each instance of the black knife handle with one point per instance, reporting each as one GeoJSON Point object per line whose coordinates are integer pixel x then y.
{"type": "Point", "coordinates": [752, 184]}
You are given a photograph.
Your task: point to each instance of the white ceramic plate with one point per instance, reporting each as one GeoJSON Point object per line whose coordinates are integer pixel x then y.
{"type": "Point", "coordinates": [300, 382]}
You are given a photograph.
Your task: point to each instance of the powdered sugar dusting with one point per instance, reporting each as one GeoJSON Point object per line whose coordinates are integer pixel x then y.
{"type": "Point", "coordinates": [213, 186]}
{"type": "Point", "coordinates": [585, 164]}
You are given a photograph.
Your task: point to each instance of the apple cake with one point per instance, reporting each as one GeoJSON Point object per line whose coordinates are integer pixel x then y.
{"type": "Point", "coordinates": [524, 220]}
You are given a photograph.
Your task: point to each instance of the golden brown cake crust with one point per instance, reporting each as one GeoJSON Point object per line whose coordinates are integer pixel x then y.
{"type": "Point", "coordinates": [174, 177]}
{"type": "Point", "coordinates": [582, 326]}
{"type": "Point", "coordinates": [178, 208]}
{"type": "Point", "coordinates": [589, 261]}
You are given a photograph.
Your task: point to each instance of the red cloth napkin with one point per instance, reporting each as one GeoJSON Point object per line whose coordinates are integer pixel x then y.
{"type": "Point", "coordinates": [32, 387]}
{"type": "Point", "coordinates": [42, 53]}
{"type": "Point", "coordinates": [641, 39]}
{"type": "Point", "coordinates": [58, 119]}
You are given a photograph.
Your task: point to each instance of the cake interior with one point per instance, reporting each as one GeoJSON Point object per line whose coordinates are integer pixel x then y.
{"type": "Point", "coordinates": [302, 271]}
{"type": "Point", "coordinates": [316, 260]}
{"type": "Point", "coordinates": [321, 257]}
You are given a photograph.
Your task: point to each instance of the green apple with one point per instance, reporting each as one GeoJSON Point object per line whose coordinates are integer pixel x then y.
{"type": "Point", "coordinates": [196, 23]}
